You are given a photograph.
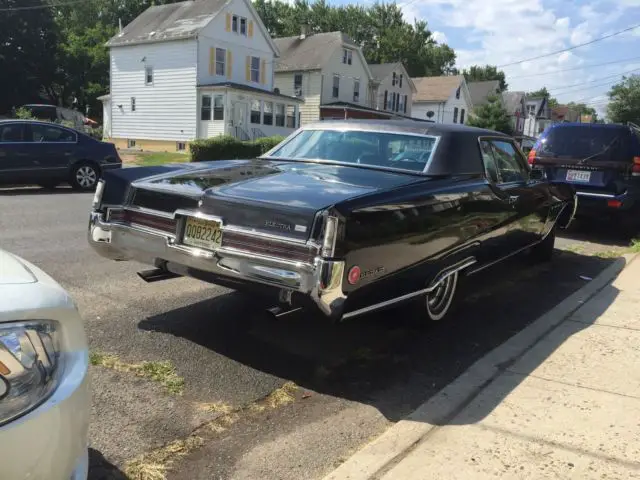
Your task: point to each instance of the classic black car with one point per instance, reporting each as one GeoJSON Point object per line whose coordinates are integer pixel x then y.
{"type": "Point", "coordinates": [43, 153]}
{"type": "Point", "coordinates": [345, 216]}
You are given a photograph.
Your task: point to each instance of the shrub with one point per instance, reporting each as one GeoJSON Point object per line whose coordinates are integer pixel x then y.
{"type": "Point", "coordinates": [228, 148]}
{"type": "Point", "coordinates": [23, 114]}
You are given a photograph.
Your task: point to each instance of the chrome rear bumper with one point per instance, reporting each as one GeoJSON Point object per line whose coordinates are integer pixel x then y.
{"type": "Point", "coordinates": [321, 281]}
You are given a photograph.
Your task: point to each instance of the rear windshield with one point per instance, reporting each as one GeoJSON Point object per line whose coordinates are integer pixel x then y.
{"type": "Point", "coordinates": [583, 142]}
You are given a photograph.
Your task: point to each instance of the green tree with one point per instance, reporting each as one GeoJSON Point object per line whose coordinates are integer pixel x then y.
{"type": "Point", "coordinates": [624, 105]}
{"type": "Point", "coordinates": [492, 115]}
{"type": "Point", "coordinates": [543, 92]}
{"type": "Point", "coordinates": [476, 73]}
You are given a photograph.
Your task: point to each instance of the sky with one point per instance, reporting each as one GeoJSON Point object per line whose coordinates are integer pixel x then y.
{"type": "Point", "coordinates": [498, 32]}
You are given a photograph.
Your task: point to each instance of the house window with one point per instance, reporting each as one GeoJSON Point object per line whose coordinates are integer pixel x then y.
{"type": "Point", "coordinates": [356, 90]}
{"type": "Point", "coordinates": [406, 99]}
{"type": "Point", "coordinates": [279, 114]}
{"type": "Point", "coordinates": [255, 111]}
{"type": "Point", "coordinates": [462, 116]}
{"type": "Point", "coordinates": [133, 104]}
{"type": "Point", "coordinates": [531, 109]}
{"type": "Point", "coordinates": [205, 109]}
{"type": "Point", "coordinates": [335, 92]}
{"type": "Point", "coordinates": [393, 79]}
{"type": "Point", "coordinates": [386, 97]}
{"type": "Point", "coordinates": [218, 107]}
{"type": "Point", "coordinates": [221, 58]}
{"type": "Point", "coordinates": [347, 56]}
{"type": "Point", "coordinates": [297, 84]}
{"type": "Point", "coordinates": [455, 115]}
{"type": "Point", "coordinates": [243, 26]}
{"type": "Point", "coordinates": [181, 146]}
{"type": "Point", "coordinates": [291, 116]}
{"type": "Point", "coordinates": [401, 80]}
{"type": "Point", "coordinates": [131, 143]}
{"type": "Point", "coordinates": [148, 75]}
{"type": "Point", "coordinates": [255, 69]}
{"type": "Point", "coordinates": [458, 93]}
{"type": "Point", "coordinates": [268, 113]}
{"type": "Point", "coordinates": [234, 24]}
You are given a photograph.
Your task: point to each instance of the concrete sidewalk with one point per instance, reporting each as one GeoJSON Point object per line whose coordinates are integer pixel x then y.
{"type": "Point", "coordinates": [561, 400]}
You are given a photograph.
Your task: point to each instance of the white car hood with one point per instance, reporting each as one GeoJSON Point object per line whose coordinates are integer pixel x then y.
{"type": "Point", "coordinates": [13, 271]}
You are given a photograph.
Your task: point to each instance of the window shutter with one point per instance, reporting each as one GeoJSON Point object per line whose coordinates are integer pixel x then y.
{"type": "Point", "coordinates": [250, 31]}
{"type": "Point", "coordinates": [248, 68]}
{"type": "Point", "coordinates": [263, 72]}
{"type": "Point", "coordinates": [229, 64]}
{"type": "Point", "coordinates": [228, 24]}
{"type": "Point", "coordinates": [212, 60]}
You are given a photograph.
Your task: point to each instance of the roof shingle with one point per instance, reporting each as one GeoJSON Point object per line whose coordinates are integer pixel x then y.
{"type": "Point", "coordinates": [480, 91]}
{"type": "Point", "coordinates": [436, 89]}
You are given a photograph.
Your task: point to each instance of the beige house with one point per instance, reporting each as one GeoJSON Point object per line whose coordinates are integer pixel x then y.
{"type": "Point", "coordinates": [443, 99]}
{"type": "Point", "coordinates": [395, 88]}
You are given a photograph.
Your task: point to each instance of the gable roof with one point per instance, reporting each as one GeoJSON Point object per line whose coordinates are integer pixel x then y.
{"type": "Point", "coordinates": [480, 91]}
{"type": "Point", "coordinates": [178, 21]}
{"type": "Point", "coordinates": [512, 101]}
{"type": "Point", "coordinates": [436, 89]}
{"type": "Point", "coordinates": [380, 71]}
{"type": "Point", "coordinates": [311, 53]}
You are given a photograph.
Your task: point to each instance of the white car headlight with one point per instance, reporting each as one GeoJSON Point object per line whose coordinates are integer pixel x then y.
{"type": "Point", "coordinates": [30, 364]}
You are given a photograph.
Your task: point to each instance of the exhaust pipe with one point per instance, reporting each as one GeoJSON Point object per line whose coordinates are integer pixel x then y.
{"type": "Point", "coordinates": [156, 275]}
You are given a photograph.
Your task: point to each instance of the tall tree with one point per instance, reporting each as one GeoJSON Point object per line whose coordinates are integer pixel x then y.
{"type": "Point", "coordinates": [543, 92]}
{"type": "Point", "coordinates": [476, 73]}
{"type": "Point", "coordinates": [624, 105]}
{"type": "Point", "coordinates": [27, 52]}
{"type": "Point", "coordinates": [491, 115]}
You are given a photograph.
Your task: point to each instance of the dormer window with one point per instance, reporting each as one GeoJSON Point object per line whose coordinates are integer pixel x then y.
{"type": "Point", "coordinates": [347, 56]}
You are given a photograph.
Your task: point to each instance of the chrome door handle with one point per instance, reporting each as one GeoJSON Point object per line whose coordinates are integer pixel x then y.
{"type": "Point", "coordinates": [512, 199]}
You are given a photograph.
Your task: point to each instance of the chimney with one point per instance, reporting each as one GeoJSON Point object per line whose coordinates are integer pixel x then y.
{"type": "Point", "coordinates": [304, 31]}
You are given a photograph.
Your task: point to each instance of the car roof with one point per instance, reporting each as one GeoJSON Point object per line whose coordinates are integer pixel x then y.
{"type": "Point", "coordinates": [590, 125]}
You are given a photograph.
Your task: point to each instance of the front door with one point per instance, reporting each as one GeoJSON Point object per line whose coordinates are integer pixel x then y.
{"type": "Point", "coordinates": [240, 119]}
{"type": "Point", "coordinates": [51, 149]}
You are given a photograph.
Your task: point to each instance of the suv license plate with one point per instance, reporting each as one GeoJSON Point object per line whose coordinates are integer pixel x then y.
{"type": "Point", "coordinates": [202, 233]}
{"type": "Point", "coordinates": [578, 176]}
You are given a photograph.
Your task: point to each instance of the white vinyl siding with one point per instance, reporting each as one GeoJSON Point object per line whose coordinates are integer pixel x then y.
{"type": "Point", "coordinates": [349, 74]}
{"type": "Point", "coordinates": [394, 89]}
{"type": "Point", "coordinates": [311, 84]}
{"type": "Point", "coordinates": [166, 111]}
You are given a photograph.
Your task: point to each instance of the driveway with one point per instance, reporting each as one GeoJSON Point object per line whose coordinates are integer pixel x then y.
{"type": "Point", "coordinates": [193, 381]}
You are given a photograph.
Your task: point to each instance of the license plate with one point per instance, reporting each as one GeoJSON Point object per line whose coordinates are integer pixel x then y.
{"type": "Point", "coordinates": [578, 176]}
{"type": "Point", "coordinates": [202, 233]}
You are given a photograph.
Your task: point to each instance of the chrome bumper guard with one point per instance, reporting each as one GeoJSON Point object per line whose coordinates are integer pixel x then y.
{"type": "Point", "coordinates": [322, 281]}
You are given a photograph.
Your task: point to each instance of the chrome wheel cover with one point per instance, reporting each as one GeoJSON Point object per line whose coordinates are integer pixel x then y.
{"type": "Point", "coordinates": [86, 176]}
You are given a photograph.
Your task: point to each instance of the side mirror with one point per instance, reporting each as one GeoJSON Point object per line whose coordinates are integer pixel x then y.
{"type": "Point", "coordinates": [537, 174]}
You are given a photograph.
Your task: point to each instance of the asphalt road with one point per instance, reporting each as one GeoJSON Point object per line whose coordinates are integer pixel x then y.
{"type": "Point", "coordinates": [352, 380]}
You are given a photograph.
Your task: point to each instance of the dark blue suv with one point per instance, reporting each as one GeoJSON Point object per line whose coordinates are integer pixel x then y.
{"type": "Point", "coordinates": [601, 161]}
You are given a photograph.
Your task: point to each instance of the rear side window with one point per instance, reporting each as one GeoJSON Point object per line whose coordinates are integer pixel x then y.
{"type": "Point", "coordinates": [44, 113]}
{"type": "Point", "coordinates": [582, 142]}
{"type": "Point", "coordinates": [46, 133]}
{"type": "Point", "coordinates": [13, 132]}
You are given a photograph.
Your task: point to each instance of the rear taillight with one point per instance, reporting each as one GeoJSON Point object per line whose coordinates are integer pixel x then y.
{"type": "Point", "coordinates": [532, 157]}
{"type": "Point", "coordinates": [635, 170]}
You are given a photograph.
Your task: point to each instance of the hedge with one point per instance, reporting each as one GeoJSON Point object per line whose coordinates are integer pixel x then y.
{"type": "Point", "coordinates": [228, 148]}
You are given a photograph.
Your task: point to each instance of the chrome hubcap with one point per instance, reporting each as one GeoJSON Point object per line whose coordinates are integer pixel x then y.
{"type": "Point", "coordinates": [439, 300]}
{"type": "Point", "coordinates": [86, 176]}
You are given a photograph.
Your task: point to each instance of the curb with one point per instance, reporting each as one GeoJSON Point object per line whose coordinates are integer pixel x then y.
{"type": "Point", "coordinates": [379, 456]}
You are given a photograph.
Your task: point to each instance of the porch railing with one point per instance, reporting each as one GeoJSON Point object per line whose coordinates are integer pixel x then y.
{"type": "Point", "coordinates": [257, 133]}
{"type": "Point", "coordinates": [241, 134]}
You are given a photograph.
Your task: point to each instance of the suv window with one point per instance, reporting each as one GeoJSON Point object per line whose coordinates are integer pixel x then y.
{"type": "Point", "coordinates": [502, 162]}
{"type": "Point", "coordinates": [44, 112]}
{"type": "Point", "coordinates": [12, 132]}
{"type": "Point", "coordinates": [46, 133]}
{"type": "Point", "coordinates": [598, 143]}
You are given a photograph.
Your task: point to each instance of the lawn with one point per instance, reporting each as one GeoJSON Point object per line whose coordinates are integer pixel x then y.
{"type": "Point", "coordinates": [160, 158]}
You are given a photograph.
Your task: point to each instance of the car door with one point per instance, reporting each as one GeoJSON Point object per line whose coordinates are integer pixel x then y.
{"type": "Point", "coordinates": [522, 201]}
{"type": "Point", "coordinates": [14, 160]}
{"type": "Point", "coordinates": [51, 150]}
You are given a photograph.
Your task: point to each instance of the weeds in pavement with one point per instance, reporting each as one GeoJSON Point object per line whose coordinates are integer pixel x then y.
{"type": "Point", "coordinates": [162, 372]}
{"type": "Point", "coordinates": [634, 247]}
{"type": "Point", "coordinates": [281, 396]}
{"type": "Point", "coordinates": [216, 407]}
{"type": "Point", "coordinates": [154, 465]}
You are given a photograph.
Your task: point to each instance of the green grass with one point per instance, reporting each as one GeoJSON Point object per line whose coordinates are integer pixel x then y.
{"type": "Point", "coordinates": [160, 158]}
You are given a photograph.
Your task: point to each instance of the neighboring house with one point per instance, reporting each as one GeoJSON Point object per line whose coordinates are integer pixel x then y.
{"type": "Point", "coordinates": [515, 105]}
{"type": "Point", "coordinates": [537, 115]}
{"type": "Point", "coordinates": [395, 88]}
{"type": "Point", "coordinates": [481, 91]}
{"type": "Point", "coordinates": [443, 99]}
{"type": "Point", "coordinates": [328, 71]}
{"type": "Point", "coordinates": [106, 115]}
{"type": "Point", "coordinates": [564, 113]}
{"type": "Point", "coordinates": [195, 69]}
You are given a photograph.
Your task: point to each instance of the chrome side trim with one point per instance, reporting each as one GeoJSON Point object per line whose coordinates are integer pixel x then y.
{"type": "Point", "coordinates": [438, 279]}
{"type": "Point", "coordinates": [596, 195]}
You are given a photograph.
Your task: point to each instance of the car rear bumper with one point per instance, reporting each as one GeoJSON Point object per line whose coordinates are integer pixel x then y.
{"type": "Point", "coordinates": [605, 203]}
{"type": "Point", "coordinates": [321, 281]}
{"type": "Point", "coordinates": [110, 166]}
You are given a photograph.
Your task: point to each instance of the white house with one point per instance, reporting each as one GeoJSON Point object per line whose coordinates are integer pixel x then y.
{"type": "Point", "coordinates": [443, 99]}
{"type": "Point", "coordinates": [329, 72]}
{"type": "Point", "coordinates": [537, 115]}
{"type": "Point", "coordinates": [195, 69]}
{"type": "Point", "coordinates": [395, 88]}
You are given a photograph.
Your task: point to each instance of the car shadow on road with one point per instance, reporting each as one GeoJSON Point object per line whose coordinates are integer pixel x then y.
{"type": "Point", "coordinates": [101, 469]}
{"type": "Point", "coordinates": [390, 360]}
{"type": "Point", "coordinates": [605, 232]}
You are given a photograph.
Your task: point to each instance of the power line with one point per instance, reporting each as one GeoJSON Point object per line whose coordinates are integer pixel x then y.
{"type": "Point", "coordinates": [553, 72]}
{"type": "Point", "coordinates": [40, 7]}
{"type": "Point", "coordinates": [599, 39]}
{"type": "Point", "coordinates": [616, 75]}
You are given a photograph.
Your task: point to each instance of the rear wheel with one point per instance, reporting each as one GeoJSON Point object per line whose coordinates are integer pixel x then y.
{"type": "Point", "coordinates": [84, 176]}
{"type": "Point", "coordinates": [543, 251]}
{"type": "Point", "coordinates": [438, 301]}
